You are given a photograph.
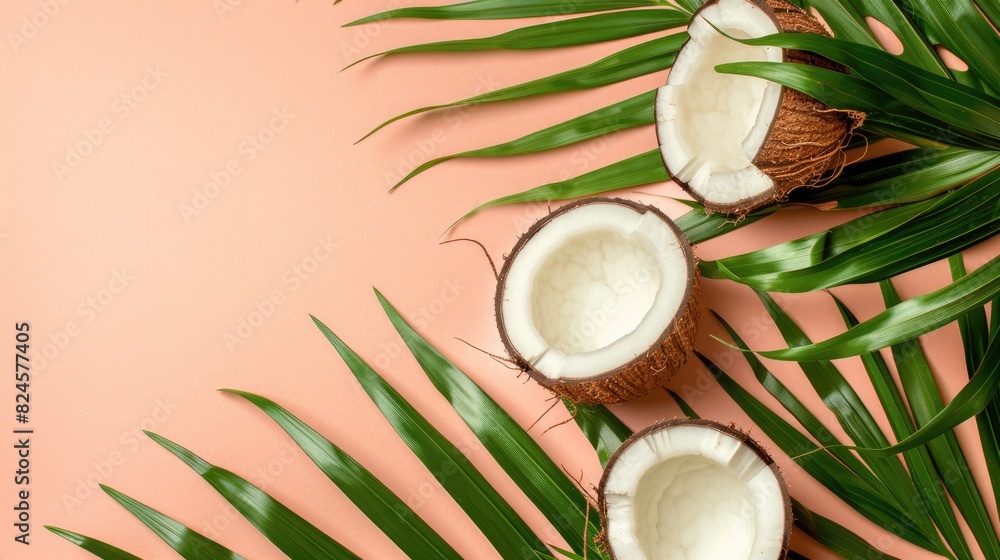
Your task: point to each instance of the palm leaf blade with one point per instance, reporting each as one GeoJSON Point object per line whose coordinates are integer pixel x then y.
{"type": "Point", "coordinates": [502, 9]}
{"type": "Point", "coordinates": [875, 247]}
{"type": "Point", "coordinates": [920, 463]}
{"type": "Point", "coordinates": [603, 429]}
{"type": "Point", "coordinates": [904, 177]}
{"type": "Point", "coordinates": [924, 91]}
{"type": "Point", "coordinates": [286, 530]}
{"type": "Point", "coordinates": [563, 33]}
{"type": "Point", "coordinates": [804, 416]}
{"type": "Point", "coordinates": [885, 112]}
{"type": "Point", "coordinates": [905, 321]}
{"type": "Point", "coordinates": [645, 58]}
{"type": "Point", "coordinates": [97, 548]}
{"type": "Point", "coordinates": [821, 465]}
{"type": "Point", "coordinates": [517, 453]}
{"type": "Point", "coordinates": [834, 536]}
{"type": "Point", "coordinates": [389, 513]}
{"type": "Point", "coordinates": [643, 169]}
{"type": "Point", "coordinates": [925, 402]}
{"type": "Point", "coordinates": [964, 31]}
{"type": "Point", "coordinates": [633, 112]}
{"type": "Point", "coordinates": [498, 521]}
{"type": "Point", "coordinates": [189, 544]}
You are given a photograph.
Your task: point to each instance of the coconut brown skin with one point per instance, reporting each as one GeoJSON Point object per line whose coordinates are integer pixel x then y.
{"type": "Point", "coordinates": [730, 430]}
{"type": "Point", "coordinates": [643, 374]}
{"type": "Point", "coordinates": [806, 139]}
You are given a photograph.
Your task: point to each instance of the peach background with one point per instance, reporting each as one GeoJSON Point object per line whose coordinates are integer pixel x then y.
{"type": "Point", "coordinates": [155, 353]}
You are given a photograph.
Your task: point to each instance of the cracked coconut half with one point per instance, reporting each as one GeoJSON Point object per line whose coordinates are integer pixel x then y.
{"type": "Point", "coordinates": [599, 300]}
{"type": "Point", "coordinates": [694, 490]}
{"type": "Point", "coordinates": [737, 143]}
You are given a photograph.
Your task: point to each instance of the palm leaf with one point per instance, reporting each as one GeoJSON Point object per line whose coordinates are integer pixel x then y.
{"type": "Point", "coordinates": [504, 9]}
{"type": "Point", "coordinates": [821, 465]}
{"type": "Point", "coordinates": [919, 461]}
{"type": "Point", "coordinates": [498, 521]}
{"type": "Point", "coordinates": [633, 112]}
{"type": "Point", "coordinates": [885, 113]}
{"type": "Point", "coordinates": [188, 543]}
{"type": "Point", "coordinates": [991, 8]}
{"type": "Point", "coordinates": [834, 536]}
{"type": "Point", "coordinates": [544, 482]}
{"type": "Point", "coordinates": [844, 20]}
{"type": "Point", "coordinates": [603, 429]}
{"type": "Point", "coordinates": [901, 178]}
{"type": "Point", "coordinates": [905, 321]}
{"type": "Point", "coordinates": [387, 511]}
{"type": "Point", "coordinates": [643, 169]}
{"type": "Point", "coordinates": [917, 50]}
{"type": "Point", "coordinates": [925, 402]}
{"type": "Point", "coordinates": [872, 248]}
{"type": "Point", "coordinates": [563, 33]}
{"type": "Point", "coordinates": [970, 401]}
{"type": "Point", "coordinates": [961, 28]}
{"type": "Point", "coordinates": [292, 534]}
{"type": "Point", "coordinates": [976, 337]}
{"type": "Point", "coordinates": [806, 418]}
{"type": "Point", "coordinates": [97, 548]}
{"type": "Point", "coordinates": [639, 60]}
{"type": "Point", "coordinates": [929, 93]}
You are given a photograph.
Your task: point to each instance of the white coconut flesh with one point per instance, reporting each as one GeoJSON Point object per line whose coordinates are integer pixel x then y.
{"type": "Point", "coordinates": [693, 493]}
{"type": "Point", "coordinates": [711, 126]}
{"type": "Point", "coordinates": [593, 289]}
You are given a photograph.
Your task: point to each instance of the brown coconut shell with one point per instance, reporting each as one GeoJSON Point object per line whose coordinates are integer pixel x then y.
{"type": "Point", "coordinates": [731, 430]}
{"type": "Point", "coordinates": [805, 144]}
{"type": "Point", "coordinates": [644, 373]}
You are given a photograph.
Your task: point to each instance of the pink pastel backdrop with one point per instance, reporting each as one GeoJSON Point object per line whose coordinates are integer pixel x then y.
{"type": "Point", "coordinates": [149, 349]}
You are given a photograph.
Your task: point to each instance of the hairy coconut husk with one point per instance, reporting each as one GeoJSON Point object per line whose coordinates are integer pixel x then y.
{"type": "Point", "coordinates": [641, 375]}
{"type": "Point", "coordinates": [731, 430]}
{"type": "Point", "coordinates": [805, 145]}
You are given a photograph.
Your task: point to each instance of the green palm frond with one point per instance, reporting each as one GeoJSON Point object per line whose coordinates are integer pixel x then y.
{"type": "Point", "coordinates": [93, 546]}
{"type": "Point", "coordinates": [935, 461]}
{"type": "Point", "coordinates": [406, 529]}
{"type": "Point", "coordinates": [585, 30]}
{"type": "Point", "coordinates": [631, 113]}
{"type": "Point", "coordinates": [504, 9]}
{"type": "Point", "coordinates": [543, 481]}
{"type": "Point", "coordinates": [642, 59]}
{"type": "Point", "coordinates": [906, 321]}
{"type": "Point", "coordinates": [939, 192]}
{"type": "Point", "coordinates": [188, 544]}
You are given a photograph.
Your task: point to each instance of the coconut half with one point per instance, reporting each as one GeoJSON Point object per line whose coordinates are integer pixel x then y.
{"type": "Point", "coordinates": [694, 490]}
{"type": "Point", "coordinates": [599, 300]}
{"type": "Point", "coordinates": [737, 143]}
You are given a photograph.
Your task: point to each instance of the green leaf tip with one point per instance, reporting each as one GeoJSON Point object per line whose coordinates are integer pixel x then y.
{"type": "Point", "coordinates": [195, 462]}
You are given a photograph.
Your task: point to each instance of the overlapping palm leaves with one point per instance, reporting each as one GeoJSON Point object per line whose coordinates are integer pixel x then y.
{"type": "Point", "coordinates": [932, 201]}
{"type": "Point", "coordinates": [927, 203]}
{"type": "Point", "coordinates": [549, 487]}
